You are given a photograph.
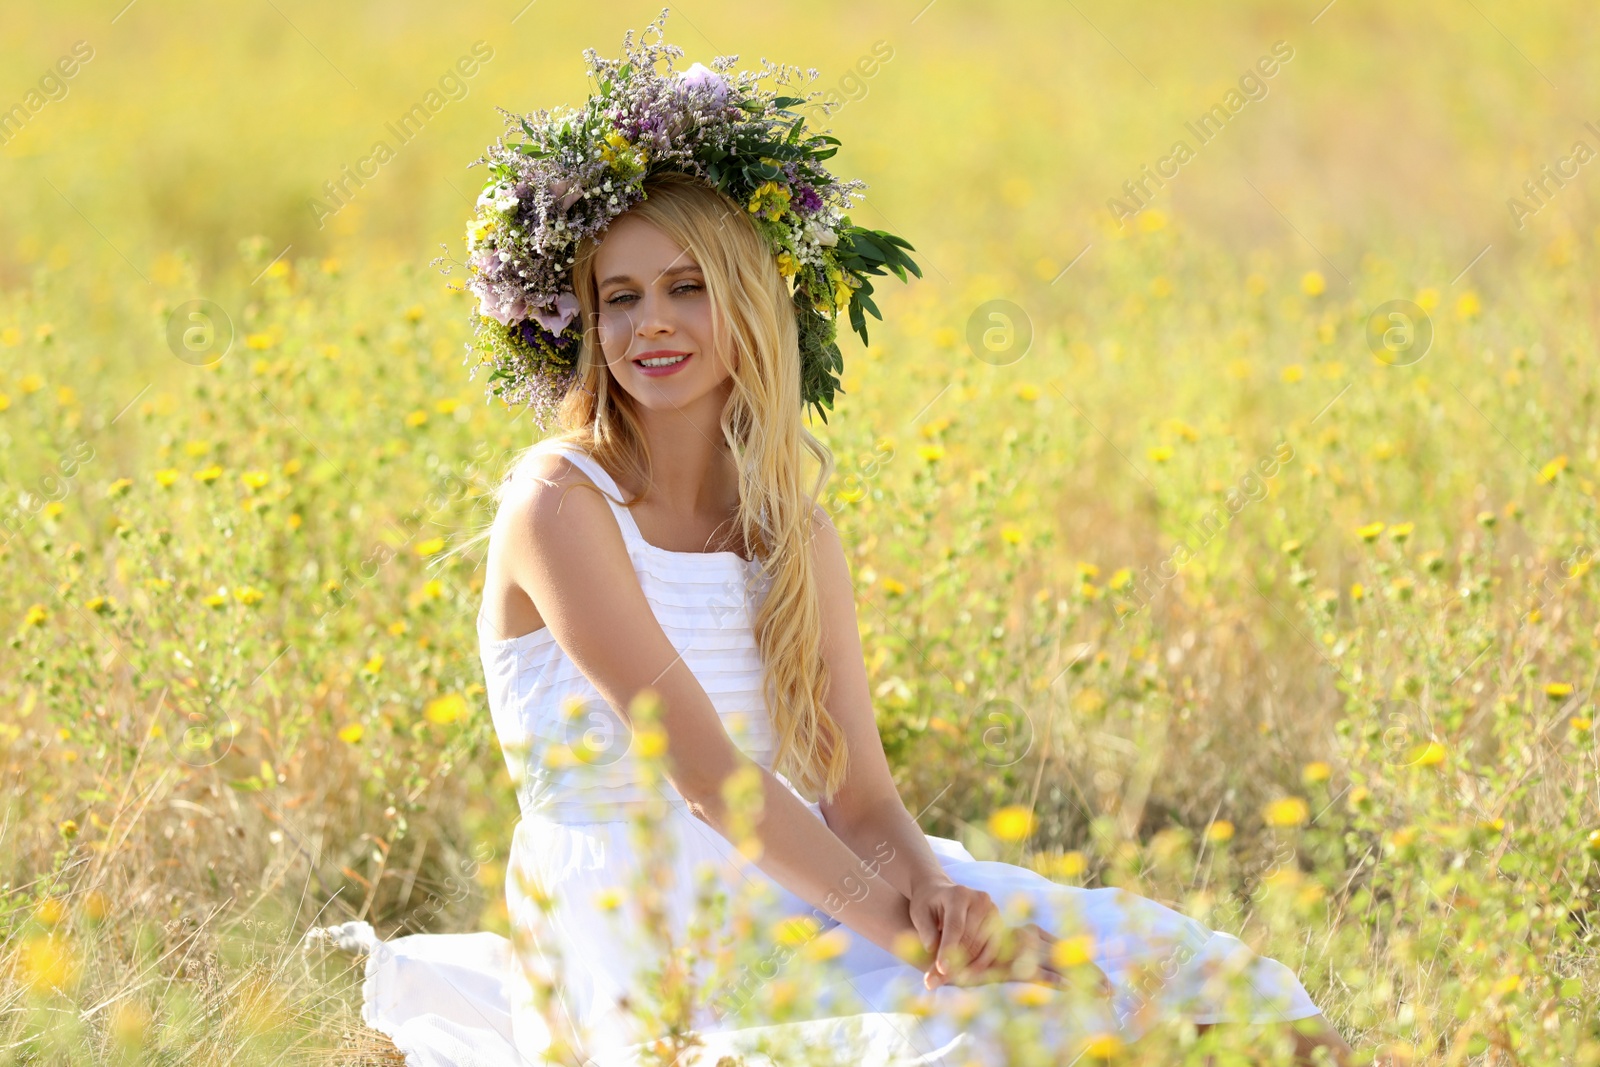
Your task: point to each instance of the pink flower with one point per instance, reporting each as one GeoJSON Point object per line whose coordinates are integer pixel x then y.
{"type": "Point", "coordinates": [492, 305]}
{"type": "Point", "coordinates": [558, 320]}
{"type": "Point", "coordinates": [700, 76]}
{"type": "Point", "coordinates": [564, 192]}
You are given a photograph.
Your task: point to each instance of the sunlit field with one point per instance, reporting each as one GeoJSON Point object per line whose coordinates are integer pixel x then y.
{"type": "Point", "coordinates": [1223, 520]}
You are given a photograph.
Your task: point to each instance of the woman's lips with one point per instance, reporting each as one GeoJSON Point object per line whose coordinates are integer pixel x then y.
{"type": "Point", "coordinates": [662, 372]}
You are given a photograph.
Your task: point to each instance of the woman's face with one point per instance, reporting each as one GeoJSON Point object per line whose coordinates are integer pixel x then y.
{"type": "Point", "coordinates": [654, 305]}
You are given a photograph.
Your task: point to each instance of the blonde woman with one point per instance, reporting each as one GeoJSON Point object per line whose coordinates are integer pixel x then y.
{"type": "Point", "coordinates": [668, 542]}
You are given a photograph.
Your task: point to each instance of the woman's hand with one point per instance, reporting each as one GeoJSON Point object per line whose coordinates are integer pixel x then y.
{"type": "Point", "coordinates": [960, 925]}
{"type": "Point", "coordinates": [972, 944]}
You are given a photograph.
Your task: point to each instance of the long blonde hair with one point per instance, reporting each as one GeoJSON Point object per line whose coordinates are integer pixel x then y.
{"type": "Point", "coordinates": [765, 432]}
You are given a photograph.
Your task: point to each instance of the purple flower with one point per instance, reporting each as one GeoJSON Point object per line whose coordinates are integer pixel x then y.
{"type": "Point", "coordinates": [700, 76]}
{"type": "Point", "coordinates": [807, 202]}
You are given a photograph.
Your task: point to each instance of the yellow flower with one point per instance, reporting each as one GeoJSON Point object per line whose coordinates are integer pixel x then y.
{"type": "Point", "coordinates": [36, 615]}
{"type": "Point", "coordinates": [769, 201]}
{"type": "Point", "coordinates": [1028, 391]}
{"type": "Point", "coordinates": [414, 313]}
{"type": "Point", "coordinates": [417, 418]}
{"type": "Point", "coordinates": [1291, 548]}
{"type": "Point", "coordinates": [1067, 865]}
{"type": "Point", "coordinates": [431, 547]}
{"type": "Point", "coordinates": [1103, 1046]}
{"type": "Point", "coordinates": [1219, 831]}
{"type": "Point", "coordinates": [1072, 951]}
{"type": "Point", "coordinates": [827, 946]}
{"type": "Point", "coordinates": [1011, 823]}
{"type": "Point", "coordinates": [5, 401]}
{"type": "Point", "coordinates": [1316, 771]}
{"type": "Point", "coordinates": [1467, 306]}
{"type": "Point", "coordinates": [53, 509]}
{"type": "Point", "coordinates": [213, 600]}
{"type": "Point", "coordinates": [255, 479]}
{"type": "Point", "coordinates": [1012, 535]}
{"type": "Point", "coordinates": [1370, 531]}
{"type": "Point", "coordinates": [1428, 299]}
{"type": "Point", "coordinates": [446, 709]}
{"type": "Point", "coordinates": [609, 899]}
{"type": "Point", "coordinates": [1558, 690]}
{"type": "Point", "coordinates": [258, 340]}
{"type": "Point", "coordinates": [1152, 219]}
{"type": "Point", "coordinates": [47, 964]}
{"type": "Point", "coordinates": [788, 266]}
{"type": "Point", "coordinates": [892, 587]}
{"type": "Point", "coordinates": [1401, 530]}
{"type": "Point", "coordinates": [1294, 372]}
{"type": "Point", "coordinates": [248, 594]}
{"type": "Point", "coordinates": [1430, 754]}
{"type": "Point", "coordinates": [1312, 283]}
{"type": "Point", "coordinates": [208, 474]}
{"type": "Point", "coordinates": [1549, 471]}
{"type": "Point", "coordinates": [648, 744]}
{"type": "Point", "coordinates": [447, 405]}
{"type": "Point", "coordinates": [99, 605]}
{"type": "Point", "coordinates": [1159, 454]}
{"type": "Point", "coordinates": [350, 733]}
{"type": "Point", "coordinates": [373, 665]}
{"type": "Point", "coordinates": [1286, 811]}
{"type": "Point", "coordinates": [931, 453]}
{"type": "Point", "coordinates": [119, 487]}
{"type": "Point", "coordinates": [1581, 724]}
{"type": "Point", "coordinates": [30, 383]}
{"type": "Point", "coordinates": [794, 931]}
{"type": "Point", "coordinates": [166, 478]}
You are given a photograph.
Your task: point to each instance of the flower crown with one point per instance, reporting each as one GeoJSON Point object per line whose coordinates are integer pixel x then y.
{"type": "Point", "coordinates": [576, 171]}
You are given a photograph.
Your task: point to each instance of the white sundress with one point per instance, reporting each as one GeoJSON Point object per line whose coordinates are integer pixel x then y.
{"type": "Point", "coordinates": [464, 999]}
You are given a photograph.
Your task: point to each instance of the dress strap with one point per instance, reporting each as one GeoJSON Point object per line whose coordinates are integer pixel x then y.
{"type": "Point", "coordinates": [597, 474]}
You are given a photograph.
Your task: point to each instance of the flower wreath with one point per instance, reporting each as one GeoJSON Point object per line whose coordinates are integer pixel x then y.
{"type": "Point", "coordinates": [576, 171]}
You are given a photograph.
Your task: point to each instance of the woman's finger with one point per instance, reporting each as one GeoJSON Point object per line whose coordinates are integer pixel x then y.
{"type": "Point", "coordinates": [951, 925]}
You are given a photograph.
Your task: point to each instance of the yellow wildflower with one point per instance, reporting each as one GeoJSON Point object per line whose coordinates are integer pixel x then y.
{"type": "Point", "coordinates": [1316, 771]}
{"type": "Point", "coordinates": [1370, 531]}
{"type": "Point", "coordinates": [1286, 811]}
{"type": "Point", "coordinates": [166, 478]}
{"type": "Point", "coordinates": [350, 733]}
{"type": "Point", "coordinates": [1219, 831]}
{"type": "Point", "coordinates": [431, 547]}
{"type": "Point", "coordinates": [208, 474]}
{"type": "Point", "coordinates": [1011, 823]}
{"type": "Point", "coordinates": [1558, 690]}
{"type": "Point", "coordinates": [446, 709]}
{"type": "Point", "coordinates": [1312, 283]}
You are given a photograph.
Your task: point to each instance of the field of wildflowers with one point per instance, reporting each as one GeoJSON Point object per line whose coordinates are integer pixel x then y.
{"type": "Point", "coordinates": [1223, 521]}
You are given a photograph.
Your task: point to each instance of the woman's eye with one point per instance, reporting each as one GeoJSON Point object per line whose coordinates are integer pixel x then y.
{"type": "Point", "coordinates": [689, 288]}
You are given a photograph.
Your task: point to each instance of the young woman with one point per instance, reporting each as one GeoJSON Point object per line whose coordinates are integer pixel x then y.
{"type": "Point", "coordinates": [666, 541]}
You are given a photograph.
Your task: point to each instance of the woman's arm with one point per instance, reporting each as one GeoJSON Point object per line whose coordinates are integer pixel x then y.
{"type": "Point", "coordinates": [867, 810]}
{"type": "Point", "coordinates": [565, 550]}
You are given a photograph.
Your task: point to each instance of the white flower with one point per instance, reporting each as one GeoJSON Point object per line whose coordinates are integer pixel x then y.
{"type": "Point", "coordinates": [821, 234]}
{"type": "Point", "coordinates": [500, 198]}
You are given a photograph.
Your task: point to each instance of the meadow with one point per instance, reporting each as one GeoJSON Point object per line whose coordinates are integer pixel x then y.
{"type": "Point", "coordinates": [1223, 520]}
